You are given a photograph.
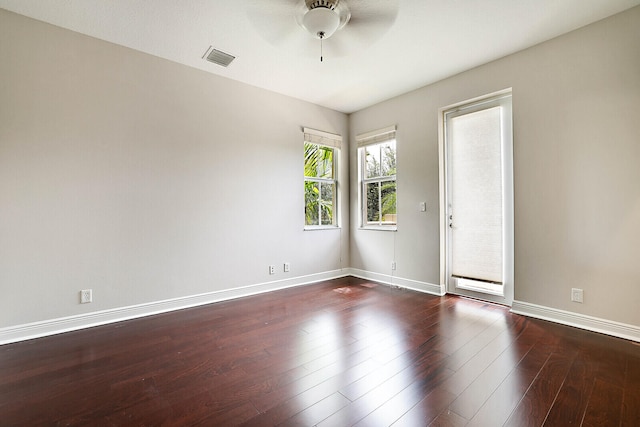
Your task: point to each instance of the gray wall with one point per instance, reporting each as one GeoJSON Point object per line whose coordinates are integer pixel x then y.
{"type": "Point", "coordinates": [147, 180]}
{"type": "Point", "coordinates": [576, 108]}
{"type": "Point", "coordinates": [143, 179]}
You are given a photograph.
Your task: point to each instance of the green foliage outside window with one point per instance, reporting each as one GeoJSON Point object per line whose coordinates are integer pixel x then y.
{"type": "Point", "coordinates": [380, 183]}
{"type": "Point", "coordinates": [319, 184]}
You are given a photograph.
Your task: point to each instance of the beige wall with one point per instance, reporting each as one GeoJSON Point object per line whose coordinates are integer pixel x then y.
{"type": "Point", "coordinates": [143, 179]}
{"type": "Point", "coordinates": [576, 109]}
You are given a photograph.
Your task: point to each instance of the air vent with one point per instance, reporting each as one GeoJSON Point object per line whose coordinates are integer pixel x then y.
{"type": "Point", "coordinates": [218, 57]}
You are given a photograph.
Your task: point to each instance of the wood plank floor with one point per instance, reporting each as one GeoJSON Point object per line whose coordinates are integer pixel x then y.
{"type": "Point", "coordinates": [337, 353]}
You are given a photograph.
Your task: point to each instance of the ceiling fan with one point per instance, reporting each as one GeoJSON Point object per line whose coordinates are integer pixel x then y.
{"type": "Point", "coordinates": [298, 24]}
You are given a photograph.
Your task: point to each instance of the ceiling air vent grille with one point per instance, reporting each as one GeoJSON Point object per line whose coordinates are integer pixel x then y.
{"type": "Point", "coordinates": [218, 57]}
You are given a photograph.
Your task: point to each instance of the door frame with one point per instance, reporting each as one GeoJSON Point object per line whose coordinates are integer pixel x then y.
{"type": "Point", "coordinates": [508, 203]}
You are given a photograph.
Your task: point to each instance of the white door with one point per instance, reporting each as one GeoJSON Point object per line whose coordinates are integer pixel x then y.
{"type": "Point", "coordinates": [479, 199]}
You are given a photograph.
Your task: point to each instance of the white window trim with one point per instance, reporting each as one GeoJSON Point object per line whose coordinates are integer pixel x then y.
{"type": "Point", "coordinates": [334, 141]}
{"type": "Point", "coordinates": [362, 140]}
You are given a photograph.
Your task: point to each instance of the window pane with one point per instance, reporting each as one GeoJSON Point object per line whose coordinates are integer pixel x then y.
{"type": "Point", "coordinates": [311, 202]}
{"type": "Point", "coordinates": [388, 162]}
{"type": "Point", "coordinates": [318, 161]}
{"type": "Point", "coordinates": [373, 202]}
{"type": "Point", "coordinates": [326, 200]}
{"type": "Point", "coordinates": [372, 161]}
{"type": "Point", "coordinates": [388, 202]}
{"type": "Point", "coordinates": [378, 163]}
{"type": "Point", "coordinates": [325, 162]}
{"type": "Point", "coordinates": [380, 159]}
{"type": "Point", "coordinates": [310, 160]}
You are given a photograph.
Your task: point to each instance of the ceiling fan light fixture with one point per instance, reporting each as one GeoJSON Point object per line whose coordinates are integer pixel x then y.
{"type": "Point", "coordinates": [321, 22]}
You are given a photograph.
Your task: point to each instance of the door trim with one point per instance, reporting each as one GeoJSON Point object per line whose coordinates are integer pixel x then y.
{"type": "Point", "coordinates": [508, 209]}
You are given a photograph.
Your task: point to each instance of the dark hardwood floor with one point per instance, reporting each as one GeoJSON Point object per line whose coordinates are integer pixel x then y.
{"type": "Point", "coordinates": [338, 353]}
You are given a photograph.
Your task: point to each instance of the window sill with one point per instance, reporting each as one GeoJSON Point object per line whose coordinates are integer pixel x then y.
{"type": "Point", "coordinates": [380, 227]}
{"type": "Point", "coordinates": [321, 227]}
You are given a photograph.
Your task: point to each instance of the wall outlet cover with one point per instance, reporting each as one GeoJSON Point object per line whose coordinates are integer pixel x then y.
{"type": "Point", "coordinates": [86, 296]}
{"type": "Point", "coordinates": [577, 295]}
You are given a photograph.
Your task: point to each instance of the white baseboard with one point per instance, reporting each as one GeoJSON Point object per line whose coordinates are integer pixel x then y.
{"type": "Point", "coordinates": [72, 323]}
{"type": "Point", "coordinates": [594, 324]}
{"type": "Point", "coordinates": [415, 285]}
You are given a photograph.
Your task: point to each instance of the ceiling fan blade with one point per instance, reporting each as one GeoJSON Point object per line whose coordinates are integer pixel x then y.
{"type": "Point", "coordinates": [366, 9]}
{"type": "Point", "coordinates": [278, 22]}
{"type": "Point", "coordinates": [370, 20]}
{"type": "Point", "coordinates": [377, 21]}
{"type": "Point", "coordinates": [275, 21]}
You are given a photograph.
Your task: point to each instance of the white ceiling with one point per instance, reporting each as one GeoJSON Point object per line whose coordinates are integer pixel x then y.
{"type": "Point", "coordinates": [428, 40]}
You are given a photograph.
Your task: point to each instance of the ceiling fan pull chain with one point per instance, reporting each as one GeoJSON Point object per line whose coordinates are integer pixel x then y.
{"type": "Point", "coordinates": [321, 35]}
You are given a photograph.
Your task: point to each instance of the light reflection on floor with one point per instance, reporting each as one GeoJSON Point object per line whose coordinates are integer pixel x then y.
{"type": "Point", "coordinates": [368, 357]}
{"type": "Point", "coordinates": [359, 342]}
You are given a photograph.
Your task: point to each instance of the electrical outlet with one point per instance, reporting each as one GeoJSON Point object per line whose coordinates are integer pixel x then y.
{"type": "Point", "coordinates": [86, 296]}
{"type": "Point", "coordinates": [393, 265]}
{"type": "Point", "coordinates": [577, 295]}
{"type": "Point", "coordinates": [272, 269]}
{"type": "Point", "coordinates": [287, 267]}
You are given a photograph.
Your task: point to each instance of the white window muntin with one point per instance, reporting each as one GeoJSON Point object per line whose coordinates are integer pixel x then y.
{"type": "Point", "coordinates": [365, 140]}
{"type": "Point", "coordinates": [333, 142]}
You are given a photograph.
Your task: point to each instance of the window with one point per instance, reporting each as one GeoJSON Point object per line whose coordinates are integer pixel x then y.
{"type": "Point", "coordinates": [320, 184]}
{"type": "Point", "coordinates": [377, 173]}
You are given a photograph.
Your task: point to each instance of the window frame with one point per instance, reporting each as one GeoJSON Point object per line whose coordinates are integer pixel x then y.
{"type": "Point", "coordinates": [330, 141]}
{"type": "Point", "coordinates": [369, 139]}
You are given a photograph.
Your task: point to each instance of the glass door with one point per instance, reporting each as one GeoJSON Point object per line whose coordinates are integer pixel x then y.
{"type": "Point", "coordinates": [479, 222]}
